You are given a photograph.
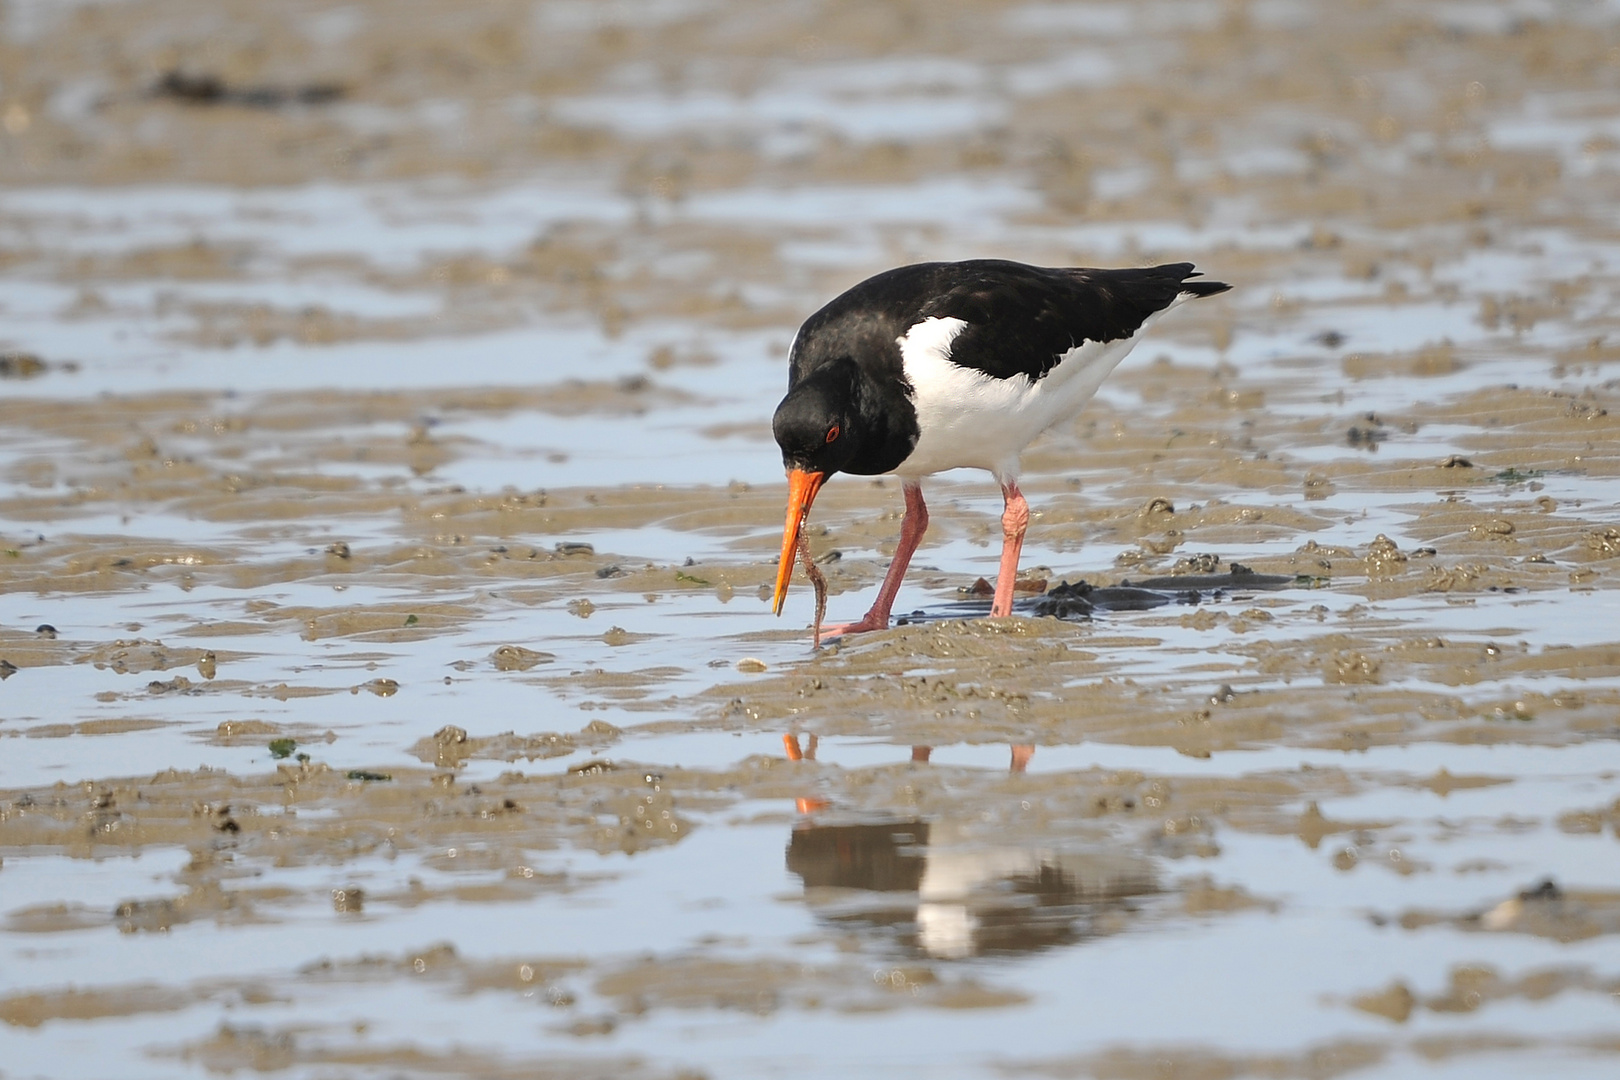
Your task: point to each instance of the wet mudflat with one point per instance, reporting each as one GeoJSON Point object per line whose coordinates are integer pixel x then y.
{"type": "Point", "coordinates": [388, 504]}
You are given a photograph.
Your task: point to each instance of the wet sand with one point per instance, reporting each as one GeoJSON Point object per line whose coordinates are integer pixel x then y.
{"type": "Point", "coordinates": [388, 511]}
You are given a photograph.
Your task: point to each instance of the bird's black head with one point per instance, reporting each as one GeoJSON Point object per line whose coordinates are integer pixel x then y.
{"type": "Point", "coordinates": [818, 424]}
{"type": "Point", "coordinates": [837, 418]}
{"type": "Point", "coordinates": [817, 427]}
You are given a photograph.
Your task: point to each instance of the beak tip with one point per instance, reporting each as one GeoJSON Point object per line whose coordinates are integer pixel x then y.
{"type": "Point", "coordinates": [802, 488]}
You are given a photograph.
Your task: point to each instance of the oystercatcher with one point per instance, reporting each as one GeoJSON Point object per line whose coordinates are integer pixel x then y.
{"type": "Point", "coordinates": [948, 365]}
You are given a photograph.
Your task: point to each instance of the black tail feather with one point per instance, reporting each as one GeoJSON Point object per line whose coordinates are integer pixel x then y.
{"type": "Point", "coordinates": [1204, 288]}
{"type": "Point", "coordinates": [1196, 288]}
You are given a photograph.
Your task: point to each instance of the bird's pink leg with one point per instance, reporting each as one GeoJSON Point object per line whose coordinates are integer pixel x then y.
{"type": "Point", "coordinates": [1014, 520]}
{"type": "Point", "coordinates": [912, 528]}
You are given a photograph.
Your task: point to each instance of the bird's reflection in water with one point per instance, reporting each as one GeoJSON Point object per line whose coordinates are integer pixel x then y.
{"type": "Point", "coordinates": [950, 900]}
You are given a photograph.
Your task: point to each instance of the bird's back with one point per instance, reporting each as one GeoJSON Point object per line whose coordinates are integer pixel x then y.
{"type": "Point", "coordinates": [986, 354]}
{"type": "Point", "coordinates": [1020, 320]}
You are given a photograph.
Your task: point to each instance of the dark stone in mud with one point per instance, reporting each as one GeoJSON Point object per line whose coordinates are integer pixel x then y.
{"type": "Point", "coordinates": [1237, 576]}
{"type": "Point", "coordinates": [1079, 599]}
{"type": "Point", "coordinates": [46, 630]}
{"type": "Point", "coordinates": [212, 90]}
{"type": "Point", "coordinates": [981, 587]}
{"type": "Point", "coordinates": [571, 548]}
{"type": "Point", "coordinates": [1547, 890]}
{"type": "Point", "coordinates": [20, 365]}
{"type": "Point", "coordinates": [1068, 601]}
{"type": "Point", "coordinates": [1545, 910]}
{"type": "Point", "coordinates": [1370, 436]}
{"type": "Point", "coordinates": [7, 669]}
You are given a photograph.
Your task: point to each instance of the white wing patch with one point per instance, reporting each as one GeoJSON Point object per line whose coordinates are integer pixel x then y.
{"type": "Point", "coordinates": [972, 420]}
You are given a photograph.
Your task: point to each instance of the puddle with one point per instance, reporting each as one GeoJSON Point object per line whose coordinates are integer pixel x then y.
{"type": "Point", "coordinates": [389, 471]}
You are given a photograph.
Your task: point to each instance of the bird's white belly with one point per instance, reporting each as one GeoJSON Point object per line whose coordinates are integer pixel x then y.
{"type": "Point", "coordinates": [972, 420]}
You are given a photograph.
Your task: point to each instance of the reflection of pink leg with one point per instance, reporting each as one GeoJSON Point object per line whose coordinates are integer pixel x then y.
{"type": "Point", "coordinates": [920, 754]}
{"type": "Point", "coordinates": [790, 743]}
{"type": "Point", "coordinates": [911, 534]}
{"type": "Point", "coordinates": [1020, 757]}
{"type": "Point", "coordinates": [1014, 520]}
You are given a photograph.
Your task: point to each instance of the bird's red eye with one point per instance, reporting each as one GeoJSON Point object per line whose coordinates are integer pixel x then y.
{"type": "Point", "coordinates": [832, 433]}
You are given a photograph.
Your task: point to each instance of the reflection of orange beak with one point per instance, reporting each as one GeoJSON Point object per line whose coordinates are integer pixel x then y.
{"type": "Point", "coordinates": [802, 488]}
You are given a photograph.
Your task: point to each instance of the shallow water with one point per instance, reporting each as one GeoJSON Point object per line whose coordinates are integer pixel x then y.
{"type": "Point", "coordinates": [395, 473]}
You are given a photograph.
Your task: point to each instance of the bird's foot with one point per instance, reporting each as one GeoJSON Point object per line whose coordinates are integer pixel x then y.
{"type": "Point", "coordinates": [871, 621]}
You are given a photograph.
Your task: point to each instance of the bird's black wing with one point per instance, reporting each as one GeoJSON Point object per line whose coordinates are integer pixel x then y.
{"type": "Point", "coordinates": [1022, 319]}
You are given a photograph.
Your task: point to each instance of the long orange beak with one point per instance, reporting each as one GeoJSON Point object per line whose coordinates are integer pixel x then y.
{"type": "Point", "coordinates": [802, 488]}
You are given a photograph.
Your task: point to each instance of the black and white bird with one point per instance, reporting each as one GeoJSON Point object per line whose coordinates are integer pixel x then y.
{"type": "Point", "coordinates": [952, 365]}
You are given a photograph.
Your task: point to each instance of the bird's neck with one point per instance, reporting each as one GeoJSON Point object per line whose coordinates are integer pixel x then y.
{"type": "Point", "coordinates": [887, 422]}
